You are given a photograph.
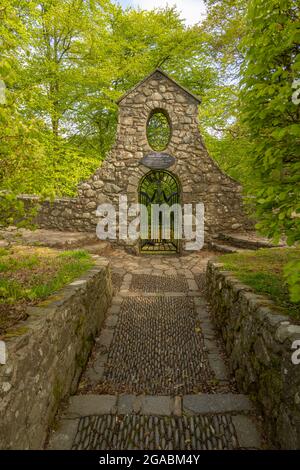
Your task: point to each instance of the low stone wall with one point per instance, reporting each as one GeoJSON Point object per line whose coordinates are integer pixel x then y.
{"type": "Point", "coordinates": [258, 339]}
{"type": "Point", "coordinates": [46, 355]}
{"type": "Point", "coordinates": [66, 214]}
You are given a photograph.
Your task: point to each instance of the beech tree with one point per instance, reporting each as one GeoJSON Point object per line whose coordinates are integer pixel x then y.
{"type": "Point", "coordinates": [272, 118]}
{"type": "Point", "coordinates": [20, 147]}
{"type": "Point", "coordinates": [72, 61]}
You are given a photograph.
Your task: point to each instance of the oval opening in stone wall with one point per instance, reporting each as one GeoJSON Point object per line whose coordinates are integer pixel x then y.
{"type": "Point", "coordinates": [158, 131]}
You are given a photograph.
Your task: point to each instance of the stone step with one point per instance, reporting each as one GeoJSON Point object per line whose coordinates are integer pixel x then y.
{"type": "Point", "coordinates": [157, 405]}
{"type": "Point", "coordinates": [223, 248]}
{"type": "Point", "coordinates": [129, 293]}
{"type": "Point", "coordinates": [53, 238]}
{"type": "Point", "coordinates": [205, 421]}
{"type": "Point", "coordinates": [250, 241]}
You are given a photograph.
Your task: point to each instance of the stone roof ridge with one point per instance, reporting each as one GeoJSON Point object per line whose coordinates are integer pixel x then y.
{"type": "Point", "coordinates": [158, 70]}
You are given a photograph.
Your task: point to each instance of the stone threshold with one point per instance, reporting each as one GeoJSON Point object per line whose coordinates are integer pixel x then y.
{"type": "Point", "coordinates": [129, 293]}
{"type": "Point", "coordinates": [157, 405]}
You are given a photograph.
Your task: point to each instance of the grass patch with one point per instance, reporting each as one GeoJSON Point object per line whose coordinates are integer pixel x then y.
{"type": "Point", "coordinates": [262, 270]}
{"type": "Point", "coordinates": [29, 275]}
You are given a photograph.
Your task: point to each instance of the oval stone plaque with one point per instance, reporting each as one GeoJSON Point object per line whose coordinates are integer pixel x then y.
{"type": "Point", "coordinates": [157, 161]}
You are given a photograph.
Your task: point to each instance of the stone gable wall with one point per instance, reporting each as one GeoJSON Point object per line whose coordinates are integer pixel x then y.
{"type": "Point", "coordinates": [200, 178]}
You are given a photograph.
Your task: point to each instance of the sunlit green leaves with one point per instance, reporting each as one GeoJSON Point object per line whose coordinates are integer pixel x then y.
{"type": "Point", "coordinates": [158, 131]}
{"type": "Point", "coordinates": [65, 62]}
{"type": "Point", "coordinates": [291, 273]}
{"type": "Point", "coordinates": [271, 48]}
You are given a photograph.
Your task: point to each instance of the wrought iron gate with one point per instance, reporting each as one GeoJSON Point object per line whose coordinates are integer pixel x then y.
{"type": "Point", "coordinates": [159, 187]}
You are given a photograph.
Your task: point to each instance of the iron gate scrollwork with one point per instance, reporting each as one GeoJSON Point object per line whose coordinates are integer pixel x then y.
{"type": "Point", "coordinates": [159, 187]}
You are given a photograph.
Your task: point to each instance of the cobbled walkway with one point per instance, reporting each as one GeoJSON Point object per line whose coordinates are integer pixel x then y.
{"type": "Point", "coordinates": [157, 377]}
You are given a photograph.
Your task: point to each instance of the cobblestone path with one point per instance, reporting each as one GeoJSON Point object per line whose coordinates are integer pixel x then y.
{"type": "Point", "coordinates": [157, 377]}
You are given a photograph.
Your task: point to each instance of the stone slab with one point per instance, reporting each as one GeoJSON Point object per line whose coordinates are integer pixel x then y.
{"type": "Point", "coordinates": [218, 403]}
{"type": "Point", "coordinates": [114, 309]}
{"type": "Point", "coordinates": [87, 405]}
{"type": "Point", "coordinates": [218, 367]}
{"type": "Point", "coordinates": [247, 432]}
{"type": "Point", "coordinates": [105, 337]}
{"type": "Point", "coordinates": [129, 404]}
{"type": "Point", "coordinates": [111, 321]}
{"type": "Point", "coordinates": [157, 405]}
{"type": "Point", "coordinates": [51, 238]}
{"type": "Point", "coordinates": [63, 437]}
{"type": "Point", "coordinates": [95, 374]}
{"type": "Point", "coordinates": [193, 286]}
{"type": "Point", "coordinates": [125, 404]}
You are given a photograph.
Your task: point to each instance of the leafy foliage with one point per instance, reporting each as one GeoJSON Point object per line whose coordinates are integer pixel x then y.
{"type": "Point", "coordinates": [291, 272]}
{"type": "Point", "coordinates": [158, 131]}
{"type": "Point", "coordinates": [272, 63]}
{"type": "Point", "coordinates": [71, 60]}
{"type": "Point", "coordinates": [20, 148]}
{"type": "Point", "coordinates": [271, 116]}
{"type": "Point", "coordinates": [224, 134]}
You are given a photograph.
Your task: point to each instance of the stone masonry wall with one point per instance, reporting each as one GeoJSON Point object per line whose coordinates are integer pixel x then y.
{"type": "Point", "coordinates": [200, 178]}
{"type": "Point", "coordinates": [45, 356]}
{"type": "Point", "coordinates": [258, 339]}
{"type": "Point", "coordinates": [70, 214]}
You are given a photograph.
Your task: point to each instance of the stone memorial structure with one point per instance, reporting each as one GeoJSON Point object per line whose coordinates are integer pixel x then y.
{"type": "Point", "coordinates": [185, 172]}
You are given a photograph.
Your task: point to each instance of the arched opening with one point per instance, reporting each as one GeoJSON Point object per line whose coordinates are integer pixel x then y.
{"type": "Point", "coordinates": [156, 188]}
{"type": "Point", "coordinates": [158, 130]}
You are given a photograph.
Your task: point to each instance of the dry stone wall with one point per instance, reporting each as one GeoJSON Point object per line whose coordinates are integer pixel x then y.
{"type": "Point", "coordinates": [70, 214]}
{"type": "Point", "coordinates": [258, 339]}
{"type": "Point", "coordinates": [45, 357]}
{"type": "Point", "coordinates": [200, 178]}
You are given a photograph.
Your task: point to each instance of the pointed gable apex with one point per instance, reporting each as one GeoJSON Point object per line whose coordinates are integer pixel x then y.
{"type": "Point", "coordinates": [195, 97]}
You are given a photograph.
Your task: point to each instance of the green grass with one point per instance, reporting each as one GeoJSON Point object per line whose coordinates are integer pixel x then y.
{"type": "Point", "coordinates": [30, 274]}
{"type": "Point", "coordinates": [42, 275]}
{"type": "Point", "coordinates": [262, 270]}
